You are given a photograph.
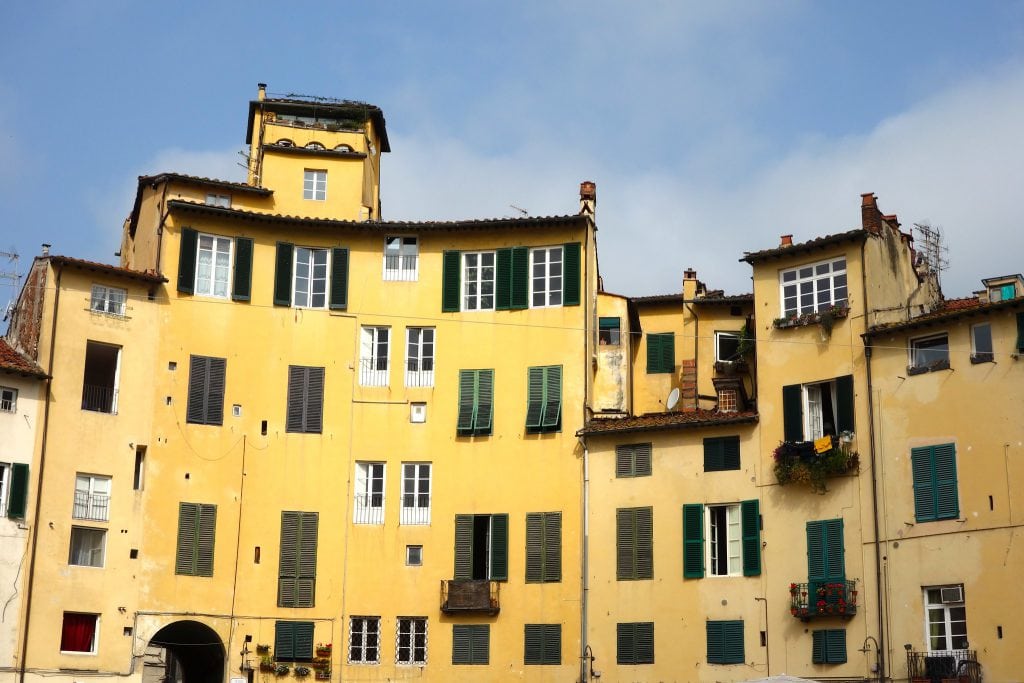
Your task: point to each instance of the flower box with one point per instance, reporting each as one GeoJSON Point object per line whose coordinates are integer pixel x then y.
{"type": "Point", "coordinates": [797, 461]}
{"type": "Point", "coordinates": [822, 599]}
{"type": "Point", "coordinates": [824, 318]}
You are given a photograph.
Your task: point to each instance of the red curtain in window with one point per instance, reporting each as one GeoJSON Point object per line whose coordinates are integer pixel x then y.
{"type": "Point", "coordinates": [78, 632]}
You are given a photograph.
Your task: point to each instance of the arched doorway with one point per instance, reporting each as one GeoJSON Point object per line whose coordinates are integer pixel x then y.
{"type": "Point", "coordinates": [184, 652]}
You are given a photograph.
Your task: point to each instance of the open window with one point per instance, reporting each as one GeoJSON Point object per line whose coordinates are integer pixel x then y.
{"type": "Point", "coordinates": [99, 385]}
{"type": "Point", "coordinates": [481, 547]}
{"type": "Point", "coordinates": [817, 409]}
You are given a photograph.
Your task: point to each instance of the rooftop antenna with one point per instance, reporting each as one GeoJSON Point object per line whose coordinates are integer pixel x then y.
{"type": "Point", "coordinates": [522, 211]}
{"type": "Point", "coordinates": [933, 251]}
{"type": "Point", "coordinates": [10, 275]}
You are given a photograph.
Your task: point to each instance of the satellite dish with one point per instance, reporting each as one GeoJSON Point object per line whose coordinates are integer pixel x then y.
{"type": "Point", "coordinates": [673, 399]}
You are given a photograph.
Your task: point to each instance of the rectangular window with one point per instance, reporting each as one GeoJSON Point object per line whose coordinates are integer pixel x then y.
{"type": "Point", "coordinates": [828, 646]}
{"type": "Point", "coordinates": [811, 411]}
{"type": "Point", "coordinates": [634, 543]}
{"type": "Point", "coordinates": [79, 633]}
{"type": "Point", "coordinates": [476, 402]}
{"type": "Point", "coordinates": [945, 618]}
{"type": "Point", "coordinates": [301, 276]}
{"type": "Point", "coordinates": [813, 288]}
{"type": "Point", "coordinates": [221, 200]}
{"type": "Point", "coordinates": [369, 495]}
{"type": "Point", "coordinates": [471, 643]}
{"type": "Point", "coordinates": [99, 383]}
{"type": "Point", "coordinates": [87, 546]}
{"type": "Point", "coordinates": [634, 643]}
{"type": "Point", "coordinates": [543, 547]}
{"type": "Point", "coordinates": [92, 498]}
{"type": "Point", "coordinates": [206, 377]}
{"type": "Point", "coordinates": [310, 285]}
{"type": "Point", "coordinates": [305, 399]}
{"type": "Point", "coordinates": [546, 277]}
{"type": "Point", "coordinates": [981, 343]}
{"type": "Point", "coordinates": [15, 493]}
{"type": "Point", "coordinates": [481, 547]}
{"type": "Point", "coordinates": [213, 266]}
{"type": "Point", "coordinates": [414, 555]}
{"type": "Point", "coordinates": [544, 399]}
{"type": "Point", "coordinates": [314, 185]}
{"type": "Point", "coordinates": [825, 555]}
{"type": "Point", "coordinates": [296, 583]}
{"type": "Point", "coordinates": [661, 353]}
{"type": "Point", "coordinates": [8, 400]}
{"type": "Point", "coordinates": [411, 641]}
{"type": "Point", "coordinates": [419, 357]}
{"type": "Point", "coordinates": [364, 640]}
{"type": "Point", "coordinates": [108, 300]}
{"type": "Point", "coordinates": [401, 255]}
{"type": "Point", "coordinates": [727, 540]}
{"type": "Point", "coordinates": [721, 453]}
{"type": "Point", "coordinates": [725, 642]}
{"type": "Point", "coordinates": [723, 534]}
{"type": "Point", "coordinates": [935, 484]}
{"type": "Point", "coordinates": [929, 353]}
{"type": "Point", "coordinates": [608, 331]}
{"type": "Point", "coordinates": [140, 468]}
{"type": "Point", "coordinates": [374, 356]}
{"type": "Point", "coordinates": [478, 281]}
{"type": "Point", "coordinates": [542, 644]}
{"type": "Point", "coordinates": [293, 641]}
{"type": "Point", "coordinates": [633, 460]}
{"type": "Point", "coordinates": [197, 526]}
{"type": "Point", "coordinates": [727, 346]}
{"type": "Point", "coordinates": [415, 493]}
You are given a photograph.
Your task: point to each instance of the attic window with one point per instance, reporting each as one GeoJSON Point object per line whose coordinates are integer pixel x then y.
{"type": "Point", "coordinates": [315, 145]}
{"type": "Point", "coordinates": [343, 148]}
{"type": "Point", "coordinates": [284, 142]}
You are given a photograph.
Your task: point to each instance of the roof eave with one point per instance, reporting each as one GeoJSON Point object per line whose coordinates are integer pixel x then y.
{"type": "Point", "coordinates": [745, 419]}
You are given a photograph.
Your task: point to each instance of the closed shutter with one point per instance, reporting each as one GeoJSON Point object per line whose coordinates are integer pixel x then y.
{"type": "Point", "coordinates": [471, 643]}
{"type": "Point", "coordinates": [792, 413]}
{"type": "Point", "coordinates": [625, 643]}
{"type": "Point", "coordinates": [241, 287]}
{"type": "Point", "coordinates": [844, 403]}
{"type": "Point", "coordinates": [721, 453]}
{"type": "Point", "coordinates": [633, 460]}
{"type": "Point", "coordinates": [924, 484]}
{"type": "Point", "coordinates": [733, 633]}
{"type": "Point", "coordinates": [499, 548]}
{"type": "Point", "coordinates": [339, 279]}
{"type": "Point", "coordinates": [185, 554]}
{"type": "Point", "coordinates": [625, 544]}
{"type": "Point", "coordinates": [217, 369]}
{"type": "Point", "coordinates": [825, 561]}
{"type": "Point", "coordinates": [480, 643]}
{"type": "Point", "coordinates": [715, 634]}
{"type": "Point", "coordinates": [533, 640]}
{"type": "Point", "coordinates": [552, 419]}
{"type": "Point", "coordinates": [552, 547]}
{"type": "Point", "coordinates": [485, 402]}
{"type": "Point", "coordinates": [303, 631]}
{"type": "Point", "coordinates": [534, 547]}
{"type": "Point", "coordinates": [288, 562]}
{"type": "Point", "coordinates": [467, 402]}
{"type": "Point", "coordinates": [661, 353]}
{"type": "Point", "coordinates": [295, 416]}
{"type": "Point", "coordinates": [463, 546]}
{"type": "Point", "coordinates": [731, 452]}
{"type": "Point", "coordinates": [305, 585]}
{"type": "Point", "coordinates": [644, 543]}
{"type": "Point", "coordinates": [946, 504]}
{"type": "Point", "coordinates": [305, 399]}
{"type": "Point", "coordinates": [693, 541]}
{"type": "Point", "coordinates": [750, 519]}
{"type": "Point", "coordinates": [543, 547]}
{"type": "Point", "coordinates": [645, 643]}
{"type": "Point", "coordinates": [451, 281]}
{"type": "Point", "coordinates": [314, 401]}
{"type": "Point", "coordinates": [187, 260]}
{"type": "Point", "coordinates": [520, 278]}
{"type": "Point", "coordinates": [284, 640]}
{"type": "Point", "coordinates": [835, 647]}
{"type": "Point", "coordinates": [535, 397]}
{"type": "Point", "coordinates": [571, 279]}
{"type": "Point", "coordinates": [206, 390]}
{"type": "Point", "coordinates": [503, 279]}
{"type": "Point", "coordinates": [206, 529]}
{"type": "Point", "coordinates": [17, 499]}
{"type": "Point", "coordinates": [819, 641]}
{"type": "Point", "coordinates": [283, 274]}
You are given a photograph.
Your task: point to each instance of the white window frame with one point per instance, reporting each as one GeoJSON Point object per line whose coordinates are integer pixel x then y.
{"type": "Point", "coordinates": [101, 551]}
{"type": "Point", "coordinates": [217, 199]}
{"type": "Point", "coordinates": [546, 276]}
{"type": "Point", "coordinates": [919, 350]}
{"type": "Point", "coordinates": [947, 620]}
{"type": "Point", "coordinates": [370, 485]}
{"type": "Point", "coordinates": [418, 353]}
{"type": "Point", "coordinates": [417, 490]}
{"type": "Point", "coordinates": [401, 258]}
{"type": "Point", "coordinates": [474, 297]}
{"type": "Point", "coordinates": [217, 282]}
{"type": "Point", "coordinates": [362, 634]}
{"type": "Point", "coordinates": [734, 539]}
{"type": "Point", "coordinates": [108, 300]}
{"type": "Point", "coordinates": [414, 625]}
{"type": "Point", "coordinates": [374, 356]}
{"type": "Point", "coordinates": [314, 184]}
{"type": "Point", "coordinates": [814, 409]}
{"type": "Point", "coordinates": [312, 289]}
{"type": "Point", "coordinates": [719, 336]}
{"type": "Point", "coordinates": [6, 472]}
{"type": "Point", "coordinates": [806, 277]}
{"type": "Point", "coordinates": [92, 497]}
{"type": "Point", "coordinates": [95, 635]}
{"type": "Point", "coordinates": [8, 400]}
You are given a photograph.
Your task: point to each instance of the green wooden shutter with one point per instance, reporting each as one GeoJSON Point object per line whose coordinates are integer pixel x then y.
{"type": "Point", "coordinates": [187, 260]}
{"type": "Point", "coordinates": [303, 631]}
{"type": "Point", "coordinates": [644, 635]}
{"type": "Point", "coordinates": [819, 641]}
{"type": "Point", "coordinates": [625, 643]}
{"type": "Point", "coordinates": [339, 279]}
{"type": "Point", "coordinates": [241, 287]}
{"type": "Point", "coordinates": [825, 561]}
{"type": "Point", "coordinates": [661, 352]}
{"type": "Point", "coordinates": [733, 636]}
{"type": "Point", "coordinates": [835, 648]}
{"type": "Point", "coordinates": [288, 562]}
{"type": "Point", "coordinates": [206, 530]}
{"type": "Point", "coordinates": [284, 640]}
{"type": "Point", "coordinates": [463, 546]}
{"type": "Point", "coordinates": [946, 504]}
{"type": "Point", "coordinates": [552, 553]}
{"type": "Point", "coordinates": [499, 547]}
{"type": "Point", "coordinates": [535, 397]}
{"type": "Point", "coordinates": [552, 418]}
{"type": "Point", "coordinates": [924, 484]}
{"type": "Point", "coordinates": [283, 274]}
{"type": "Point", "coordinates": [305, 583]}
{"type": "Point", "coordinates": [844, 403]}
{"type": "Point", "coordinates": [750, 518]}
{"type": "Point", "coordinates": [552, 645]}
{"type": "Point", "coordinates": [644, 543]}
{"type": "Point", "coordinates": [314, 401]}
{"type": "Point", "coordinates": [1020, 332]}
{"type": "Point", "coordinates": [715, 635]}
{"type": "Point", "coordinates": [461, 644]}
{"type": "Point", "coordinates": [730, 452]}
{"type": "Point", "coordinates": [625, 544]}
{"type": "Point", "coordinates": [792, 412]}
{"type": "Point", "coordinates": [217, 372]}
{"type": "Point", "coordinates": [653, 353]}
{"type": "Point", "coordinates": [503, 279]}
{"type": "Point", "coordinates": [480, 643]}
{"type": "Point", "coordinates": [533, 640]}
{"type": "Point", "coordinates": [693, 541]}
{"type": "Point", "coordinates": [295, 411]}
{"type": "Point", "coordinates": [184, 557]}
{"type": "Point", "coordinates": [714, 456]}
{"type": "Point", "coordinates": [571, 277]}
{"type": "Point", "coordinates": [642, 462]}
{"type": "Point", "coordinates": [17, 499]}
{"type": "Point", "coordinates": [467, 402]}
{"type": "Point", "coordinates": [451, 281]}
{"type": "Point", "coordinates": [198, 376]}
{"type": "Point", "coordinates": [520, 278]}
{"type": "Point", "coordinates": [624, 461]}
{"type": "Point", "coordinates": [534, 547]}
{"type": "Point", "coordinates": [485, 402]}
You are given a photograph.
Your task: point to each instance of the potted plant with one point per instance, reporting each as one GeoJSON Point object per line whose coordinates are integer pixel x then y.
{"type": "Point", "coordinates": [302, 671]}
{"type": "Point", "coordinates": [323, 650]}
{"type": "Point", "coordinates": [323, 674]}
{"type": "Point", "coordinates": [281, 670]}
{"type": "Point", "coordinates": [266, 662]}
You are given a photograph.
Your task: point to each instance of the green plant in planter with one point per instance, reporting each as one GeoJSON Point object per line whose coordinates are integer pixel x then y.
{"type": "Point", "coordinates": [747, 343]}
{"type": "Point", "coordinates": [302, 671]}
{"type": "Point", "coordinates": [266, 662]}
{"type": "Point", "coordinates": [799, 463]}
{"type": "Point", "coordinates": [281, 670]}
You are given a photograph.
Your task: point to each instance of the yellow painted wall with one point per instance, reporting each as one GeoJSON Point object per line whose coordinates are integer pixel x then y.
{"type": "Point", "coordinates": [650, 392]}
{"type": "Point", "coordinates": [613, 372]}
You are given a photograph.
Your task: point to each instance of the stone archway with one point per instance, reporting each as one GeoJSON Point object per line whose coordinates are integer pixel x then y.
{"type": "Point", "coordinates": [184, 652]}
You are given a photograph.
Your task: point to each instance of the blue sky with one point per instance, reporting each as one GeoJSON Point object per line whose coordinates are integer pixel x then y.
{"type": "Point", "coordinates": [710, 128]}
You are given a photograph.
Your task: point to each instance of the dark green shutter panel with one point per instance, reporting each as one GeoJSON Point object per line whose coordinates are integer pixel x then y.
{"type": "Point", "coordinates": [730, 452]}
{"type": "Point", "coordinates": [295, 417]}
{"type": "Point", "coordinates": [653, 353]}
{"type": "Point", "coordinates": [733, 635]}
{"type": "Point", "coordinates": [644, 643]}
{"type": "Point", "coordinates": [642, 460]}
{"type": "Point", "coordinates": [815, 551]}
{"type": "Point", "coordinates": [668, 352]}
{"type": "Point", "coordinates": [750, 520]}
{"type": "Point", "coordinates": [644, 543]}
{"type": "Point", "coordinates": [1020, 332]}
{"type": "Point", "coordinates": [835, 647]}
{"type": "Point", "coordinates": [825, 561]}
{"type": "Point", "coordinates": [18, 497]}
{"type": "Point", "coordinates": [924, 485]}
{"type": "Point", "coordinates": [206, 528]}
{"type": "Point", "coordinates": [314, 401]}
{"type": "Point", "coordinates": [451, 281]}
{"type": "Point", "coordinates": [552, 418]}
{"type": "Point", "coordinates": [946, 505]}
{"type": "Point", "coordinates": [485, 402]}
{"type": "Point", "coordinates": [534, 397]}
{"type": "Point", "coordinates": [844, 403]}
{"type": "Point", "coordinates": [835, 563]}
{"type": "Point", "coordinates": [288, 560]}
{"type": "Point", "coordinates": [339, 279]}
{"type": "Point", "coordinates": [552, 547]}
{"type": "Point", "coordinates": [216, 373]}
{"type": "Point", "coordinates": [625, 544]}
{"type": "Point", "coordinates": [533, 639]}
{"type": "Point", "coordinates": [520, 278]}
{"type": "Point", "coordinates": [467, 402]}
{"type": "Point", "coordinates": [661, 353]}
{"type": "Point", "coordinates": [534, 546]}
{"type": "Point", "coordinates": [693, 541]}
{"type": "Point", "coordinates": [792, 413]}
{"type": "Point", "coordinates": [241, 288]}
{"type": "Point", "coordinates": [463, 546]}
{"type": "Point", "coordinates": [187, 260]}
{"type": "Point", "coordinates": [714, 457]}
{"type": "Point", "coordinates": [499, 547]}
{"type": "Point", "coordinates": [819, 641]}
{"type": "Point", "coordinates": [571, 277]}
{"type": "Point", "coordinates": [303, 631]}
{"type": "Point", "coordinates": [184, 558]}
{"type": "Point", "coordinates": [552, 643]}
{"type": "Point", "coordinates": [503, 279]}
{"type": "Point", "coordinates": [625, 643]}
{"type": "Point", "coordinates": [480, 643]}
{"type": "Point", "coordinates": [461, 644]}
{"type": "Point", "coordinates": [624, 459]}
{"type": "Point", "coordinates": [284, 640]}
{"type": "Point", "coordinates": [715, 634]}
{"type": "Point", "coordinates": [305, 583]}
{"type": "Point", "coordinates": [198, 374]}
{"type": "Point", "coordinates": [283, 275]}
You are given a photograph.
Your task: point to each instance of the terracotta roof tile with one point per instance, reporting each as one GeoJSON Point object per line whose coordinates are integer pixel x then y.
{"type": "Point", "coordinates": [805, 247]}
{"type": "Point", "coordinates": [658, 298]}
{"type": "Point", "coordinates": [14, 362]}
{"type": "Point", "coordinates": [140, 275]}
{"type": "Point", "coordinates": [202, 180]}
{"type": "Point", "coordinates": [951, 309]}
{"type": "Point", "coordinates": [659, 421]}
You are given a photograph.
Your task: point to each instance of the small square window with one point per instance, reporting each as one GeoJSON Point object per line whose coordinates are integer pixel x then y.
{"type": "Point", "coordinates": [78, 633]}
{"type": "Point", "coordinates": [108, 300]}
{"type": "Point", "coordinates": [728, 400]}
{"type": "Point", "coordinates": [87, 546]}
{"type": "Point", "coordinates": [401, 255]}
{"type": "Point", "coordinates": [414, 555]}
{"type": "Point", "coordinates": [609, 330]}
{"type": "Point", "coordinates": [314, 185]}
{"type": "Point", "coordinates": [929, 353]}
{"type": "Point", "coordinates": [727, 346]}
{"type": "Point", "coordinates": [8, 400]}
{"type": "Point", "coordinates": [418, 413]}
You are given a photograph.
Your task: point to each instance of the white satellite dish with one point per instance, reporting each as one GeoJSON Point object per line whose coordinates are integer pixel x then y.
{"type": "Point", "coordinates": [673, 399]}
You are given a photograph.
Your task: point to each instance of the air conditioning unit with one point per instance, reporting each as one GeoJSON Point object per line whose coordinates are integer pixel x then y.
{"type": "Point", "coordinates": [951, 594]}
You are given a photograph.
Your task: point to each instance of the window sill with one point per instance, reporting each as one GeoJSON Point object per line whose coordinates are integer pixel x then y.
{"type": "Point", "coordinates": [805, 319]}
{"type": "Point", "coordinates": [934, 367]}
{"type": "Point", "coordinates": [977, 358]}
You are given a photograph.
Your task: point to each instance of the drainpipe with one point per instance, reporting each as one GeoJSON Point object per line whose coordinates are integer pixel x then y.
{"type": "Point", "coordinates": [39, 479]}
{"type": "Point", "coordinates": [585, 565]}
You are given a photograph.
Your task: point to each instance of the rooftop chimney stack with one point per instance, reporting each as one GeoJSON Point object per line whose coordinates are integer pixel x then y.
{"type": "Point", "coordinates": [870, 216]}
{"type": "Point", "coordinates": [262, 94]}
{"type": "Point", "coordinates": [785, 241]}
{"type": "Point", "coordinates": [588, 199]}
{"type": "Point", "coordinates": [46, 249]}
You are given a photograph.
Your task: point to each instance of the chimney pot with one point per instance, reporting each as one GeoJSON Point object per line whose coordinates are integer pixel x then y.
{"type": "Point", "coordinates": [588, 198]}
{"type": "Point", "coordinates": [262, 91]}
{"type": "Point", "coordinates": [870, 215]}
{"type": "Point", "coordinates": [46, 249]}
{"type": "Point", "coordinates": [689, 274]}
{"type": "Point", "coordinates": [786, 241]}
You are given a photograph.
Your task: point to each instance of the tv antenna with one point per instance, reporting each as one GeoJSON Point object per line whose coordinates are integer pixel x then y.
{"type": "Point", "coordinates": [932, 250]}
{"type": "Point", "coordinates": [9, 274]}
{"type": "Point", "coordinates": [520, 210]}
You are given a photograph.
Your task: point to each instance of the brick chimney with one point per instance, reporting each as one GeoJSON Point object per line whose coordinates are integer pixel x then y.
{"type": "Point", "coordinates": [870, 216]}
{"type": "Point", "coordinates": [690, 284]}
{"type": "Point", "coordinates": [785, 241]}
{"type": "Point", "coordinates": [588, 198]}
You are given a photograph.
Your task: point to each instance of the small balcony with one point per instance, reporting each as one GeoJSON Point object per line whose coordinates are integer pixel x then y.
{"type": "Point", "coordinates": [469, 595]}
{"type": "Point", "coordinates": [802, 462]}
{"type": "Point", "coordinates": [99, 399]}
{"type": "Point", "coordinates": [369, 508]}
{"type": "Point", "coordinates": [818, 599]}
{"type": "Point", "coordinates": [93, 506]}
{"type": "Point", "coordinates": [946, 666]}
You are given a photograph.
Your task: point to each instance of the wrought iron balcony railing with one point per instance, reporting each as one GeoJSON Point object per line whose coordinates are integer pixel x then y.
{"type": "Point", "coordinates": [94, 506]}
{"type": "Point", "coordinates": [99, 399]}
{"type": "Point", "coordinates": [816, 599]}
{"type": "Point", "coordinates": [469, 595]}
{"type": "Point", "coordinates": [958, 666]}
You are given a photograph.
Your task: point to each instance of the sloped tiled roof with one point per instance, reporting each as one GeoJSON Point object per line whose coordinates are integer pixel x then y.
{"type": "Point", "coordinates": [666, 421]}
{"type": "Point", "coordinates": [14, 362]}
{"type": "Point", "coordinates": [106, 269]}
{"type": "Point", "coordinates": [208, 182]}
{"type": "Point", "coordinates": [658, 298]}
{"type": "Point", "coordinates": [724, 299]}
{"type": "Point", "coordinates": [805, 247]}
{"type": "Point", "coordinates": [951, 309]}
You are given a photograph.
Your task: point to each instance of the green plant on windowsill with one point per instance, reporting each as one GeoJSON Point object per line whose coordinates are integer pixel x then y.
{"type": "Point", "coordinates": [826, 318]}
{"type": "Point", "coordinates": [302, 671]}
{"type": "Point", "coordinates": [266, 662]}
{"type": "Point", "coordinates": [797, 462]}
{"type": "Point", "coordinates": [281, 670]}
